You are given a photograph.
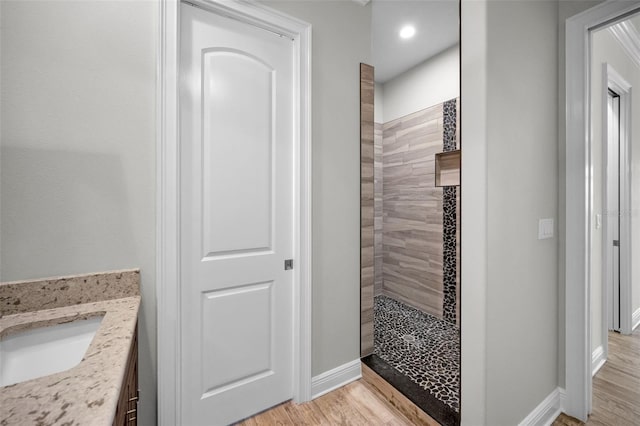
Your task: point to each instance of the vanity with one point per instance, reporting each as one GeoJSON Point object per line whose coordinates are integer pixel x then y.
{"type": "Point", "coordinates": [69, 350]}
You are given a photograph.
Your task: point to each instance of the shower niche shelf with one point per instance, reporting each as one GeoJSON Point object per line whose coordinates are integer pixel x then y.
{"type": "Point", "coordinates": [448, 168]}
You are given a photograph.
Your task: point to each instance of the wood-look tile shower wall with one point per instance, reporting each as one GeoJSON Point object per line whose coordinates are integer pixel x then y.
{"type": "Point", "coordinates": [402, 219]}
{"type": "Point", "coordinates": [412, 218]}
{"type": "Point", "coordinates": [366, 209]}
{"type": "Point", "coordinates": [377, 208]}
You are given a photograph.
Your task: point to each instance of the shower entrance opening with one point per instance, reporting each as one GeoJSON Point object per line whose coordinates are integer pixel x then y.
{"type": "Point", "coordinates": [410, 245]}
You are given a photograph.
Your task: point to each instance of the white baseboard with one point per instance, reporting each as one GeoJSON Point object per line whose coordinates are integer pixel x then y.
{"type": "Point", "coordinates": [547, 411]}
{"type": "Point", "coordinates": [563, 399]}
{"type": "Point", "coordinates": [597, 360]}
{"type": "Point", "coordinates": [333, 379]}
{"type": "Point", "coordinates": [635, 319]}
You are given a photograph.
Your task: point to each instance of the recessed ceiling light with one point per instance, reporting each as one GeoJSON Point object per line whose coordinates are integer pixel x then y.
{"type": "Point", "coordinates": [407, 31]}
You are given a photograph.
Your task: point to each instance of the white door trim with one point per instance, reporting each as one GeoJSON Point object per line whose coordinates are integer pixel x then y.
{"type": "Point", "coordinates": [168, 212]}
{"type": "Point", "coordinates": [614, 81]}
{"type": "Point", "coordinates": [578, 199]}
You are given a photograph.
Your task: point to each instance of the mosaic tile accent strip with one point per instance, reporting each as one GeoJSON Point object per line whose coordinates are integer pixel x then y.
{"type": "Point", "coordinates": [449, 221]}
{"type": "Point", "coordinates": [449, 253]}
{"type": "Point", "coordinates": [420, 346]}
{"type": "Point", "coordinates": [449, 110]}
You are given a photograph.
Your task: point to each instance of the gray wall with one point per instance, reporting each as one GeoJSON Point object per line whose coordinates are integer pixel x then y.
{"type": "Point", "coordinates": [77, 148]}
{"type": "Point", "coordinates": [78, 155]}
{"type": "Point", "coordinates": [78, 83]}
{"type": "Point", "coordinates": [341, 40]}
{"type": "Point", "coordinates": [522, 119]}
{"type": "Point", "coordinates": [509, 181]}
{"type": "Point", "coordinates": [474, 212]}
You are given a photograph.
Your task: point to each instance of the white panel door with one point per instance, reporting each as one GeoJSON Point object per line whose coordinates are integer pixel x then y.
{"type": "Point", "coordinates": [612, 243]}
{"type": "Point", "coordinates": [236, 138]}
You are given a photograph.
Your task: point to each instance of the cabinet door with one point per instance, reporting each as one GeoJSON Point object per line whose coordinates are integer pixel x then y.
{"type": "Point", "coordinates": [127, 410]}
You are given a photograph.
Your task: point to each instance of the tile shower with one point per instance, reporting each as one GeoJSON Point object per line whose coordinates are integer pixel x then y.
{"type": "Point", "coordinates": [416, 234]}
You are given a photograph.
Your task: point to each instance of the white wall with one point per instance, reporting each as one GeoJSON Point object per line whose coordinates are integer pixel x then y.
{"type": "Point", "coordinates": [77, 148]}
{"type": "Point", "coordinates": [341, 40]}
{"type": "Point", "coordinates": [378, 104]}
{"type": "Point", "coordinates": [518, 46]}
{"type": "Point", "coordinates": [432, 82]}
{"type": "Point", "coordinates": [606, 48]}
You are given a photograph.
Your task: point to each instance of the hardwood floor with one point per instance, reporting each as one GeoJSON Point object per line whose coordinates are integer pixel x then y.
{"type": "Point", "coordinates": [616, 387]}
{"type": "Point", "coordinates": [368, 401]}
{"type": "Point", "coordinates": [371, 400]}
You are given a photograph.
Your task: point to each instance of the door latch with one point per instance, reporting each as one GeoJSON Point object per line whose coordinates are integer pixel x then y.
{"type": "Point", "coordinates": [616, 243]}
{"type": "Point", "coordinates": [288, 264]}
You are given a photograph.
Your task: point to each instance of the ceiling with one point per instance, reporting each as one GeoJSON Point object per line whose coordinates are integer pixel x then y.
{"type": "Point", "coordinates": [436, 23]}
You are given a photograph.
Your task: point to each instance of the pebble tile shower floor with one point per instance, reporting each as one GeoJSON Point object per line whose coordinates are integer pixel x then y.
{"type": "Point", "coordinates": [420, 346]}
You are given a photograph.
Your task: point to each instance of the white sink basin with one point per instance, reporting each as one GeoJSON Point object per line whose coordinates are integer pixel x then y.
{"type": "Point", "coordinates": [45, 350]}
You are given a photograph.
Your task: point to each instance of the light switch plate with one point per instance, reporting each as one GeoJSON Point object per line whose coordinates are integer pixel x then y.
{"type": "Point", "coordinates": [598, 221]}
{"type": "Point", "coordinates": [545, 228]}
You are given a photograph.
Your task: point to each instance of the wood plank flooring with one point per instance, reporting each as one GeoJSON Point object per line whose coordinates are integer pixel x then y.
{"type": "Point", "coordinates": [371, 400]}
{"type": "Point", "coordinates": [368, 401]}
{"type": "Point", "coordinates": [616, 387]}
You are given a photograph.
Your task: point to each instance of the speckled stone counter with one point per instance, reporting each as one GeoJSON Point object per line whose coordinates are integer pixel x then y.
{"type": "Point", "coordinates": [86, 394]}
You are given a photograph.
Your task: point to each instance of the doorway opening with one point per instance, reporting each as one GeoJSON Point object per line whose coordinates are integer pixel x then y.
{"type": "Point", "coordinates": [410, 205]}
{"type": "Point", "coordinates": [613, 73]}
{"type": "Point", "coordinates": [601, 223]}
{"type": "Point", "coordinates": [611, 246]}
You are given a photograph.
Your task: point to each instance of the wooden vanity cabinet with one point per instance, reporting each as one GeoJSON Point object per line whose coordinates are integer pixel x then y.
{"type": "Point", "coordinates": [127, 410]}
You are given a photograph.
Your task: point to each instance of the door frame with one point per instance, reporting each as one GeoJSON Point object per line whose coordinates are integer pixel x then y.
{"type": "Point", "coordinates": [578, 202]}
{"type": "Point", "coordinates": [168, 196]}
{"type": "Point", "coordinates": [611, 79]}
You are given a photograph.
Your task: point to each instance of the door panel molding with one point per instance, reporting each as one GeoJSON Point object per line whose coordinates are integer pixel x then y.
{"type": "Point", "coordinates": [167, 196]}
{"type": "Point", "coordinates": [223, 204]}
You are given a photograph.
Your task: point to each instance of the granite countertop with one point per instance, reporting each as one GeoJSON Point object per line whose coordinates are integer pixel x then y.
{"type": "Point", "coordinates": [86, 394]}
